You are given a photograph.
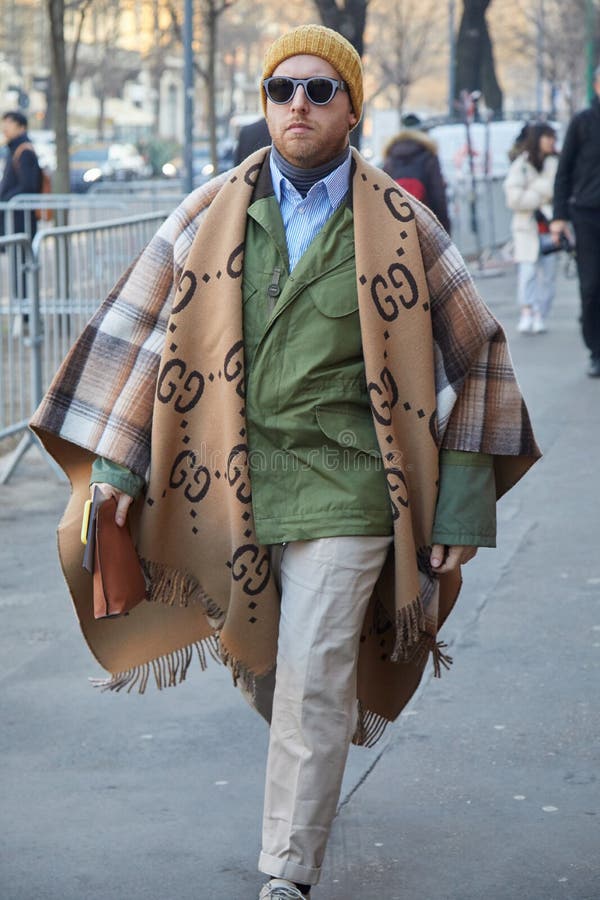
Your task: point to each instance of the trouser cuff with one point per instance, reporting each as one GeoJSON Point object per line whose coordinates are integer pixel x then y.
{"type": "Point", "coordinates": [283, 868]}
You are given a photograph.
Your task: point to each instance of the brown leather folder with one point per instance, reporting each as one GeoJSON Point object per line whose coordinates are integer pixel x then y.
{"type": "Point", "coordinates": [119, 582]}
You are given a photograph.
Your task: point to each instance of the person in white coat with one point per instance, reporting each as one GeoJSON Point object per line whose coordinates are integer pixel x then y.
{"type": "Point", "coordinates": [529, 188]}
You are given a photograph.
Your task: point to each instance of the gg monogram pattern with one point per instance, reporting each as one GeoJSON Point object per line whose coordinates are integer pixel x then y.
{"type": "Point", "coordinates": [201, 379]}
{"type": "Point", "coordinates": [399, 305]}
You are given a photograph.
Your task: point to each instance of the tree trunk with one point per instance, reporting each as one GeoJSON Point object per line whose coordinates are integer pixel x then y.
{"type": "Point", "coordinates": [475, 70]}
{"type": "Point", "coordinates": [59, 95]}
{"type": "Point", "coordinates": [349, 19]}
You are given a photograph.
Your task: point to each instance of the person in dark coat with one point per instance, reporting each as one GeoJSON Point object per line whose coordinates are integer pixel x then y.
{"type": "Point", "coordinates": [22, 173]}
{"type": "Point", "coordinates": [411, 159]}
{"type": "Point", "coordinates": [577, 201]}
{"type": "Point", "coordinates": [251, 137]}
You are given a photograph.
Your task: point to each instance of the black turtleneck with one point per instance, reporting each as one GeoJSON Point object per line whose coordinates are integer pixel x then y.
{"type": "Point", "coordinates": [304, 179]}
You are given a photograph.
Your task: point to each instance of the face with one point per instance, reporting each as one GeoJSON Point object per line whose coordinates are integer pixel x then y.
{"type": "Point", "coordinates": [308, 135]}
{"type": "Point", "coordinates": [11, 129]}
{"type": "Point", "coordinates": [547, 144]}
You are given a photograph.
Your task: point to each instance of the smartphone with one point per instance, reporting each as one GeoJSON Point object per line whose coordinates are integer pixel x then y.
{"type": "Point", "coordinates": [88, 527]}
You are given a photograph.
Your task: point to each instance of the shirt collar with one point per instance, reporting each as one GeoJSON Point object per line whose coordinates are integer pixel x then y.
{"type": "Point", "coordinates": [336, 183]}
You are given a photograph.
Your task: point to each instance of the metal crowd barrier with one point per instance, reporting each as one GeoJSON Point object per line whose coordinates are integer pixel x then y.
{"type": "Point", "coordinates": [160, 187]}
{"type": "Point", "coordinates": [16, 375]}
{"type": "Point", "coordinates": [59, 210]}
{"type": "Point", "coordinates": [49, 290]}
{"type": "Point", "coordinates": [77, 268]}
{"type": "Point", "coordinates": [480, 219]}
{"type": "Point", "coordinates": [483, 230]}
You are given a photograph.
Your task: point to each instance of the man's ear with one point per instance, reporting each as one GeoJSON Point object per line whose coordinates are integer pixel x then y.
{"type": "Point", "coordinates": [352, 119]}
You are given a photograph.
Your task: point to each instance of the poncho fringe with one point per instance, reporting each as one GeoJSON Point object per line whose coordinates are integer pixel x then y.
{"type": "Point", "coordinates": [174, 588]}
{"type": "Point", "coordinates": [169, 670]}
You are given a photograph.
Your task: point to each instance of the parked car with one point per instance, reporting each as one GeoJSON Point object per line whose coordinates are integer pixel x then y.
{"type": "Point", "coordinates": [106, 162]}
{"type": "Point", "coordinates": [202, 167]}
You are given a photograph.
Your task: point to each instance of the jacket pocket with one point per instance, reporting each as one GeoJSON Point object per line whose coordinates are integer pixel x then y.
{"type": "Point", "coordinates": [336, 294]}
{"type": "Point", "coordinates": [248, 289]}
{"type": "Point", "coordinates": [349, 426]}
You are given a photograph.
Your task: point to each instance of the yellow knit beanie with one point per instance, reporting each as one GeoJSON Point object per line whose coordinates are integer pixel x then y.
{"type": "Point", "coordinates": [316, 40]}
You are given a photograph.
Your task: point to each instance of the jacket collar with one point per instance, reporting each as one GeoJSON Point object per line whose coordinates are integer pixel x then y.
{"type": "Point", "coordinates": [264, 183]}
{"type": "Point", "coordinates": [21, 139]}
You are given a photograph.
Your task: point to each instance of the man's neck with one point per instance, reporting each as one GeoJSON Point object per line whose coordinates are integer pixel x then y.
{"type": "Point", "coordinates": [304, 179]}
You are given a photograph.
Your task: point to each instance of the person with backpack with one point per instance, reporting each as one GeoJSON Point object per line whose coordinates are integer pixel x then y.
{"type": "Point", "coordinates": [411, 160]}
{"type": "Point", "coordinates": [22, 172]}
{"type": "Point", "coordinates": [22, 175]}
{"type": "Point", "coordinates": [577, 204]}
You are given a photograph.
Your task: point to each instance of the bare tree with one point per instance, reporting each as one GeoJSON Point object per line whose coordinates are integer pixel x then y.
{"type": "Point", "coordinates": [163, 39]}
{"type": "Point", "coordinates": [242, 36]}
{"type": "Point", "coordinates": [407, 41]}
{"type": "Point", "coordinates": [63, 60]}
{"type": "Point", "coordinates": [554, 35]}
{"type": "Point", "coordinates": [475, 69]}
{"type": "Point", "coordinates": [208, 28]}
{"type": "Point", "coordinates": [349, 17]}
{"type": "Point", "coordinates": [103, 61]}
{"type": "Point", "coordinates": [212, 10]}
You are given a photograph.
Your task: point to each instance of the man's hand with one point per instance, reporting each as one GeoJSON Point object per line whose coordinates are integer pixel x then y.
{"type": "Point", "coordinates": [558, 227]}
{"type": "Point", "coordinates": [124, 501]}
{"type": "Point", "coordinates": [445, 559]}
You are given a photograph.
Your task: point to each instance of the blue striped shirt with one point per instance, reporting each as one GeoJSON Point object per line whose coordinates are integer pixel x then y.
{"type": "Point", "coordinates": [303, 217]}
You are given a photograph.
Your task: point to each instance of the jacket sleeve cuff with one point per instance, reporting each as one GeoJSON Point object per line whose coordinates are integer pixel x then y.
{"type": "Point", "coordinates": [561, 211]}
{"type": "Point", "coordinates": [466, 507]}
{"type": "Point", "coordinates": [105, 470]}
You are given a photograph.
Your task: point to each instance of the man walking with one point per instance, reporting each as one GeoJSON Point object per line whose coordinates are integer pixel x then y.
{"type": "Point", "coordinates": [316, 412]}
{"type": "Point", "coordinates": [577, 199]}
{"type": "Point", "coordinates": [22, 173]}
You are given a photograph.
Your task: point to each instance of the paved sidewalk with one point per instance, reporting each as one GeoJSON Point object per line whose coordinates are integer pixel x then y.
{"type": "Point", "coordinates": [486, 788]}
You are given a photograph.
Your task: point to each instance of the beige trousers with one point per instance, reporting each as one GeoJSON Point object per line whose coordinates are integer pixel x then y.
{"type": "Point", "coordinates": [325, 589]}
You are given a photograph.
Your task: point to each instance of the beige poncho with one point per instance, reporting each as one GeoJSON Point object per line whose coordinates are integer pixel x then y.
{"type": "Point", "coordinates": [156, 383]}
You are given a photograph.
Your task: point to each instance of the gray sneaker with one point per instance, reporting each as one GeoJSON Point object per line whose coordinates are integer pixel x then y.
{"type": "Point", "coordinates": [280, 889]}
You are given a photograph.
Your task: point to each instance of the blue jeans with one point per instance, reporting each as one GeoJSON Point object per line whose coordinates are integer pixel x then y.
{"type": "Point", "coordinates": [537, 284]}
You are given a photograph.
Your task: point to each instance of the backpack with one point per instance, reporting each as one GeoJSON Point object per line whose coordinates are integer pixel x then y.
{"type": "Point", "coordinates": [44, 215]}
{"type": "Point", "coordinates": [411, 175]}
{"type": "Point", "coordinates": [414, 186]}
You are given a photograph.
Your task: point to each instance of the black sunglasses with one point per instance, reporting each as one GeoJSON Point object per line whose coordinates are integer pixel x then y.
{"type": "Point", "coordinates": [319, 89]}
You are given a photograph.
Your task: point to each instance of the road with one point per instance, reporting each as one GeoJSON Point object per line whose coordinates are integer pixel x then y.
{"type": "Point", "coordinates": [485, 789]}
